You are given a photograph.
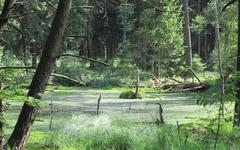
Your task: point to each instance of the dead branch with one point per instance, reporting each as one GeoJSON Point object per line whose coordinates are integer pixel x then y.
{"type": "Point", "coordinates": [194, 73]}
{"type": "Point", "coordinates": [53, 74]}
{"type": "Point", "coordinates": [99, 5]}
{"type": "Point", "coordinates": [176, 80]}
{"type": "Point", "coordinates": [76, 7]}
{"type": "Point", "coordinates": [75, 36]}
{"type": "Point", "coordinates": [16, 28]}
{"type": "Point", "coordinates": [16, 67]}
{"type": "Point", "coordinates": [82, 57]}
{"type": "Point", "coordinates": [22, 15]}
{"type": "Point", "coordinates": [161, 120]}
{"type": "Point", "coordinates": [50, 4]}
{"type": "Point", "coordinates": [98, 103]}
{"type": "Point", "coordinates": [170, 88]}
{"type": "Point", "coordinates": [67, 78]}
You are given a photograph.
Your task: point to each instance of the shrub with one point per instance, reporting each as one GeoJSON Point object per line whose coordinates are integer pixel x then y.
{"type": "Point", "coordinates": [130, 95]}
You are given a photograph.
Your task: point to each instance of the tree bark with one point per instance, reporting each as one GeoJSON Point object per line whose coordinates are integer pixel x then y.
{"type": "Point", "coordinates": [219, 53]}
{"type": "Point", "coordinates": [28, 113]}
{"type": "Point", "coordinates": [187, 32]}
{"type": "Point", "coordinates": [199, 33]}
{"type": "Point", "coordinates": [8, 5]}
{"type": "Point", "coordinates": [236, 121]}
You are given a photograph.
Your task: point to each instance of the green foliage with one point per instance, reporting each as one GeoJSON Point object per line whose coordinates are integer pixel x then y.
{"type": "Point", "coordinates": [14, 94]}
{"type": "Point", "coordinates": [125, 12]}
{"type": "Point", "coordinates": [197, 64]}
{"type": "Point", "coordinates": [199, 23]}
{"type": "Point", "coordinates": [128, 94]}
{"type": "Point", "coordinates": [74, 68]}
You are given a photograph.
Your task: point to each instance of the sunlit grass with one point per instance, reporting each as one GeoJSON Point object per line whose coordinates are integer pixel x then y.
{"type": "Point", "coordinates": [84, 132]}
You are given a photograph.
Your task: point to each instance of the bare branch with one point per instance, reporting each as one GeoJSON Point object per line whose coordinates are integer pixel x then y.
{"type": "Point", "coordinates": [16, 67]}
{"type": "Point", "coordinates": [22, 15]}
{"type": "Point", "coordinates": [227, 5]}
{"type": "Point", "coordinates": [76, 7]}
{"type": "Point", "coordinates": [82, 57]}
{"type": "Point", "coordinates": [194, 73]}
{"type": "Point", "coordinates": [67, 78]}
{"type": "Point", "coordinates": [75, 36]}
{"type": "Point", "coordinates": [50, 4]}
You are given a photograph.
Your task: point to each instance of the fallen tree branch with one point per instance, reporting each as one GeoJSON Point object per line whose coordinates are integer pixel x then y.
{"type": "Point", "coordinates": [68, 78]}
{"type": "Point", "coordinates": [172, 88]}
{"type": "Point", "coordinates": [16, 67]}
{"type": "Point", "coordinates": [75, 36]}
{"type": "Point", "coordinates": [86, 7]}
{"type": "Point", "coordinates": [194, 73]}
{"type": "Point", "coordinates": [50, 4]}
{"type": "Point", "coordinates": [22, 15]}
{"type": "Point", "coordinates": [53, 74]}
{"type": "Point", "coordinates": [82, 57]}
{"type": "Point", "coordinates": [176, 80]}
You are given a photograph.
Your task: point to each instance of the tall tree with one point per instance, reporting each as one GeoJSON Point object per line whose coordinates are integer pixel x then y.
{"type": "Point", "coordinates": [28, 113]}
{"type": "Point", "coordinates": [187, 32]}
{"type": "Point", "coordinates": [199, 33]}
{"type": "Point", "coordinates": [237, 103]}
{"type": "Point", "coordinates": [7, 7]}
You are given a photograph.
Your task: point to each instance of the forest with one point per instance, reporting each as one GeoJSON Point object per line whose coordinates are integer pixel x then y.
{"type": "Point", "coordinates": [119, 74]}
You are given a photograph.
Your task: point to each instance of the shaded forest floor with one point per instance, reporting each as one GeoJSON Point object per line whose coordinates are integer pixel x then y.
{"type": "Point", "coordinates": [74, 119]}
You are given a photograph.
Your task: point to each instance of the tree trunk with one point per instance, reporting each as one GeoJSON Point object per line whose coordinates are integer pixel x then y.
{"type": "Point", "coordinates": [28, 113]}
{"type": "Point", "coordinates": [187, 32]}
{"type": "Point", "coordinates": [219, 52]}
{"type": "Point", "coordinates": [8, 5]}
{"type": "Point", "coordinates": [199, 33]}
{"type": "Point", "coordinates": [2, 132]}
{"type": "Point", "coordinates": [236, 121]}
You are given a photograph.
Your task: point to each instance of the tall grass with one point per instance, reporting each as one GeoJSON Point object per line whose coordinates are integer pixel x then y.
{"type": "Point", "coordinates": [84, 132]}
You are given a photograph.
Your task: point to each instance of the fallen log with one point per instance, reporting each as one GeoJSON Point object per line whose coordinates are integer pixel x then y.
{"type": "Point", "coordinates": [192, 87]}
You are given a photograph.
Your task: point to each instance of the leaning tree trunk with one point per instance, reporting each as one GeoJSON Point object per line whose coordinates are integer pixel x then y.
{"type": "Point", "coordinates": [237, 103]}
{"type": "Point", "coordinates": [8, 5]}
{"type": "Point", "coordinates": [187, 32]}
{"type": "Point", "coordinates": [23, 126]}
